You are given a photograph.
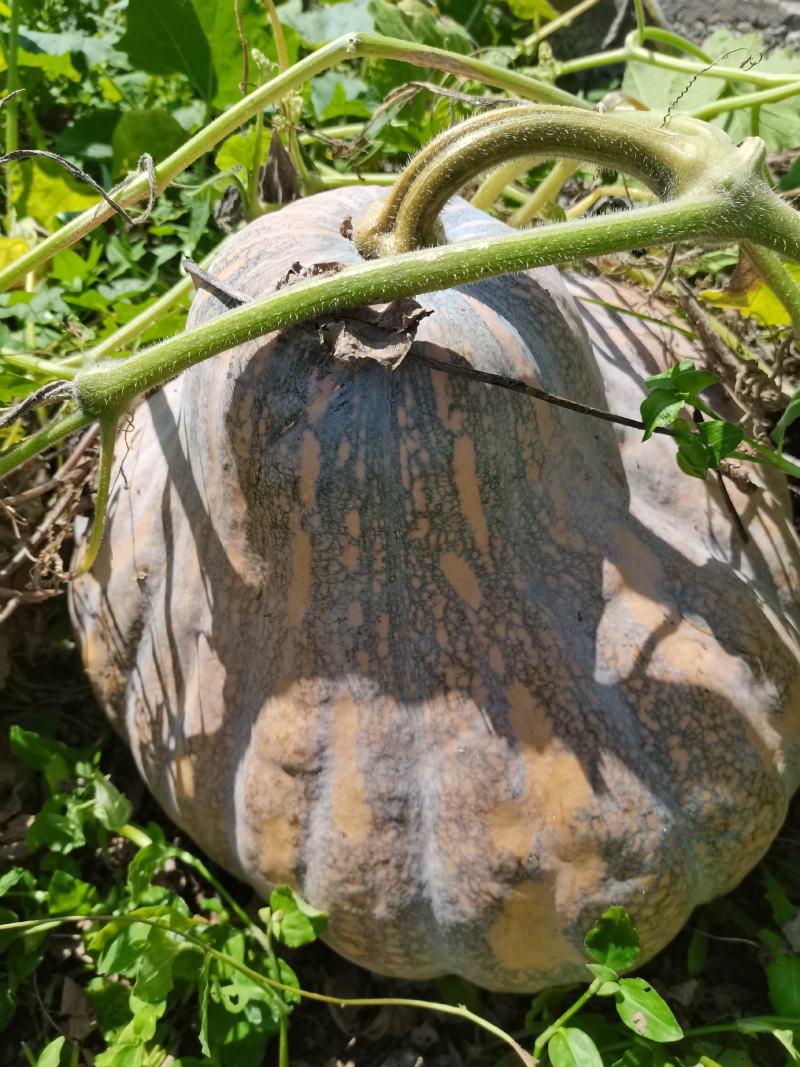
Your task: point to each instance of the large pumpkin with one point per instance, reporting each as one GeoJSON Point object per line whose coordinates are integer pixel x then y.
{"type": "Point", "coordinates": [463, 668]}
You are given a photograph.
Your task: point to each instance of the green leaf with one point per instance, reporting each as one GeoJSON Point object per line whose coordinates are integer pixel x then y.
{"type": "Point", "coordinates": [123, 1055]}
{"type": "Point", "coordinates": [335, 95]}
{"type": "Point", "coordinates": [791, 413]}
{"type": "Point", "coordinates": [570, 1047]}
{"type": "Point", "coordinates": [692, 457]}
{"type": "Point", "coordinates": [659, 89]}
{"type": "Point", "coordinates": [783, 981]}
{"type": "Point", "coordinates": [720, 438]}
{"type": "Point", "coordinates": [111, 1003]}
{"type": "Point", "coordinates": [67, 895]}
{"type": "Point", "coordinates": [43, 754]}
{"type": "Point", "coordinates": [321, 23]}
{"type": "Point", "coordinates": [51, 1055]}
{"type": "Point", "coordinates": [791, 179]}
{"type": "Point", "coordinates": [146, 862]}
{"type": "Point", "coordinates": [93, 48]}
{"type": "Point", "coordinates": [293, 920]}
{"type": "Point", "coordinates": [167, 38]}
{"type": "Point", "coordinates": [42, 189]}
{"type": "Point", "coordinates": [683, 378]}
{"type": "Point", "coordinates": [644, 1011]}
{"type": "Point", "coordinates": [529, 9]}
{"type": "Point", "coordinates": [154, 974]}
{"type": "Point", "coordinates": [659, 408]}
{"type": "Point", "coordinates": [52, 66]}
{"type": "Point", "coordinates": [57, 826]}
{"type": "Point", "coordinates": [151, 130]}
{"type": "Point", "coordinates": [613, 941]}
{"type": "Point", "coordinates": [14, 877]}
{"type": "Point", "coordinates": [412, 20]}
{"type": "Point", "coordinates": [239, 150]}
{"type": "Point", "coordinates": [786, 1038]}
{"type": "Point", "coordinates": [120, 947]}
{"type": "Point", "coordinates": [111, 808]}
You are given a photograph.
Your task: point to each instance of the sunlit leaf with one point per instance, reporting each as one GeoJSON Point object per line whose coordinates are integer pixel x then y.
{"type": "Point", "coordinates": [613, 941]}
{"type": "Point", "coordinates": [645, 1011]}
{"type": "Point", "coordinates": [570, 1047]}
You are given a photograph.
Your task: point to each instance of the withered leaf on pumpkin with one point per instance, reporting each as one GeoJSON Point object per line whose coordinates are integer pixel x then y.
{"type": "Point", "coordinates": [278, 178]}
{"type": "Point", "coordinates": [383, 334]}
{"type": "Point", "coordinates": [298, 273]}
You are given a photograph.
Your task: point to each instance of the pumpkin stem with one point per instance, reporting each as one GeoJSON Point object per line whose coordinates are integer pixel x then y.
{"type": "Point", "coordinates": [672, 158]}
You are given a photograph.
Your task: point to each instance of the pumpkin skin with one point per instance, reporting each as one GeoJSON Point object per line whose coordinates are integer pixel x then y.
{"type": "Point", "coordinates": [463, 668]}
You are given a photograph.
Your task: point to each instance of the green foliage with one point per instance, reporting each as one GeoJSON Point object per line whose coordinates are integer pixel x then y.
{"type": "Point", "coordinates": [613, 941]}
{"type": "Point", "coordinates": [152, 955]}
{"type": "Point", "coordinates": [168, 38]}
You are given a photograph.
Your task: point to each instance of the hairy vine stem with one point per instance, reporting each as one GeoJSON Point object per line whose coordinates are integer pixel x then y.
{"type": "Point", "coordinates": [349, 47]}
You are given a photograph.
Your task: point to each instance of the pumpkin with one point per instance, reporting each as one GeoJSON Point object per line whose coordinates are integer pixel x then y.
{"type": "Point", "coordinates": [461, 667]}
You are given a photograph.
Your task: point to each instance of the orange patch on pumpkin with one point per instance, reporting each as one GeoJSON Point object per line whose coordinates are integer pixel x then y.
{"type": "Point", "coordinates": [528, 931]}
{"type": "Point", "coordinates": [349, 809]}
{"type": "Point", "coordinates": [462, 578]}
{"type": "Point", "coordinates": [465, 473]}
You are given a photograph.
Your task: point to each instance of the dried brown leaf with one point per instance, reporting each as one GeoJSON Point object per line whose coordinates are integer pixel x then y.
{"type": "Point", "coordinates": [383, 334]}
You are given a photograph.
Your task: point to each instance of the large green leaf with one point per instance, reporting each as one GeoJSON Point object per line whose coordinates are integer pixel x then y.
{"type": "Point", "coordinates": [89, 137]}
{"type": "Point", "coordinates": [167, 38]}
{"type": "Point", "coordinates": [322, 23]}
{"type": "Point", "coordinates": [779, 123]}
{"type": "Point", "coordinates": [412, 20]}
{"type": "Point", "coordinates": [663, 89]}
{"type": "Point", "coordinates": [30, 55]}
{"type": "Point", "coordinates": [152, 131]}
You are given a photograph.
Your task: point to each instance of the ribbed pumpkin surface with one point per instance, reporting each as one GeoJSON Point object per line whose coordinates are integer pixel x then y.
{"type": "Point", "coordinates": [462, 667]}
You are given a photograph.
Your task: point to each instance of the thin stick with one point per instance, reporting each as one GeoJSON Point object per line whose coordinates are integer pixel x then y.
{"type": "Point", "coordinates": [464, 371]}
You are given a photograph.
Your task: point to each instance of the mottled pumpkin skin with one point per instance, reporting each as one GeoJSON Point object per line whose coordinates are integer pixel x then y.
{"type": "Point", "coordinates": [462, 667]}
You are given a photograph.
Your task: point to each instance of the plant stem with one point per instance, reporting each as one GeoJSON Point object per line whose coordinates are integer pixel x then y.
{"type": "Point", "coordinates": [108, 435]}
{"type": "Point", "coordinates": [136, 326]}
{"type": "Point", "coordinates": [50, 434]}
{"type": "Point", "coordinates": [11, 107]}
{"type": "Point", "coordinates": [349, 47]}
{"type": "Point", "coordinates": [665, 159]}
{"type": "Point", "coordinates": [278, 34]}
{"type": "Point", "coordinates": [640, 21]}
{"type": "Point", "coordinates": [783, 284]}
{"type": "Point", "coordinates": [360, 1002]}
{"type": "Point", "coordinates": [109, 387]}
{"type": "Point", "coordinates": [494, 184]}
{"type": "Point", "coordinates": [546, 193]}
{"type": "Point", "coordinates": [636, 51]}
{"type": "Point", "coordinates": [736, 103]}
{"type": "Point", "coordinates": [49, 369]}
{"type": "Point", "coordinates": [674, 40]}
{"type": "Point", "coordinates": [544, 1037]}
{"type": "Point", "coordinates": [566, 18]}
